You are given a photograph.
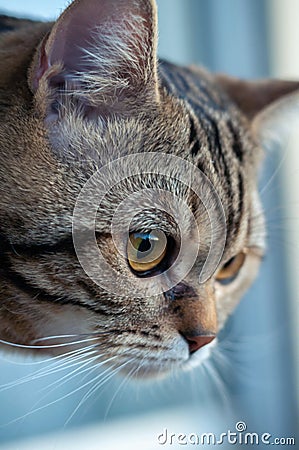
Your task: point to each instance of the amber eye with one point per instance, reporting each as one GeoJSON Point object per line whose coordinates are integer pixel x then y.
{"type": "Point", "coordinates": [230, 270]}
{"type": "Point", "coordinates": [146, 250]}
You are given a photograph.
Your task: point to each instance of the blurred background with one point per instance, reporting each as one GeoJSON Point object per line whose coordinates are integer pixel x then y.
{"type": "Point", "coordinates": [43, 405]}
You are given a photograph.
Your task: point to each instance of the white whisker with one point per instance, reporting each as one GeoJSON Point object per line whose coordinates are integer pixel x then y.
{"type": "Point", "coordinates": [53, 368]}
{"type": "Point", "coordinates": [90, 392]}
{"type": "Point", "coordinates": [70, 375]}
{"type": "Point", "coordinates": [77, 336]}
{"type": "Point", "coordinates": [32, 347]}
{"type": "Point", "coordinates": [274, 174]}
{"type": "Point", "coordinates": [41, 361]}
{"type": "Point", "coordinates": [66, 378]}
{"type": "Point", "coordinates": [59, 399]}
{"type": "Point", "coordinates": [121, 385]}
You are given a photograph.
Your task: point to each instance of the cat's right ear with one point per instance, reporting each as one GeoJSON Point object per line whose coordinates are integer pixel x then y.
{"type": "Point", "coordinates": [271, 106]}
{"type": "Point", "coordinates": [101, 54]}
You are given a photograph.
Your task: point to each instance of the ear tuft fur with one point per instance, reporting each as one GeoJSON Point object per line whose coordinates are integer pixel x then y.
{"type": "Point", "coordinates": [100, 53]}
{"type": "Point", "coordinates": [114, 64]}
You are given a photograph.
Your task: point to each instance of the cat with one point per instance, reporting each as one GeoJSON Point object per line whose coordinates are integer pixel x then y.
{"type": "Point", "coordinates": [88, 92]}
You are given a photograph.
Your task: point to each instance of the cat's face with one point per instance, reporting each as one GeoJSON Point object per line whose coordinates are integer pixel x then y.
{"type": "Point", "coordinates": [168, 164]}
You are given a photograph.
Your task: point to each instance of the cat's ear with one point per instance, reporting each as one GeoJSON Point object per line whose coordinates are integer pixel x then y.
{"type": "Point", "coordinates": [272, 106]}
{"type": "Point", "coordinates": [101, 52]}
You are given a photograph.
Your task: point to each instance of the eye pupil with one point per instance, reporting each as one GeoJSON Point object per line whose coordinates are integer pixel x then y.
{"type": "Point", "coordinates": [144, 245]}
{"type": "Point", "coordinates": [229, 262]}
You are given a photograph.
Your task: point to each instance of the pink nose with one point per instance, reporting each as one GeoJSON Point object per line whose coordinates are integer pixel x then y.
{"type": "Point", "coordinates": [197, 342]}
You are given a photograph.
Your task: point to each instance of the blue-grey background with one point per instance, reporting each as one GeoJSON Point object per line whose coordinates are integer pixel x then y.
{"type": "Point", "coordinates": [255, 381]}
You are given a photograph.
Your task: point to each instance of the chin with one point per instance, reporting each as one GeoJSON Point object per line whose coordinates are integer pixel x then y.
{"type": "Point", "coordinates": [156, 369]}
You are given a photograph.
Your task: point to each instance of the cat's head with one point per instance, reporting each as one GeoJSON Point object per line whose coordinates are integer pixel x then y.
{"type": "Point", "coordinates": [130, 217]}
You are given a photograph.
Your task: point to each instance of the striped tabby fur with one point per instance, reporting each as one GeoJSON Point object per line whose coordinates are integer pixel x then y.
{"type": "Point", "coordinates": [75, 95]}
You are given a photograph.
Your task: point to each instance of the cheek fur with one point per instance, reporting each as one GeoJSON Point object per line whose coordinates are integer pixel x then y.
{"type": "Point", "coordinates": [57, 134]}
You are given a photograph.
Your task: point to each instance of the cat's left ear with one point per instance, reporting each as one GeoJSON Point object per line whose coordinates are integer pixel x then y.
{"type": "Point", "coordinates": [102, 53]}
{"type": "Point", "coordinates": [272, 106]}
